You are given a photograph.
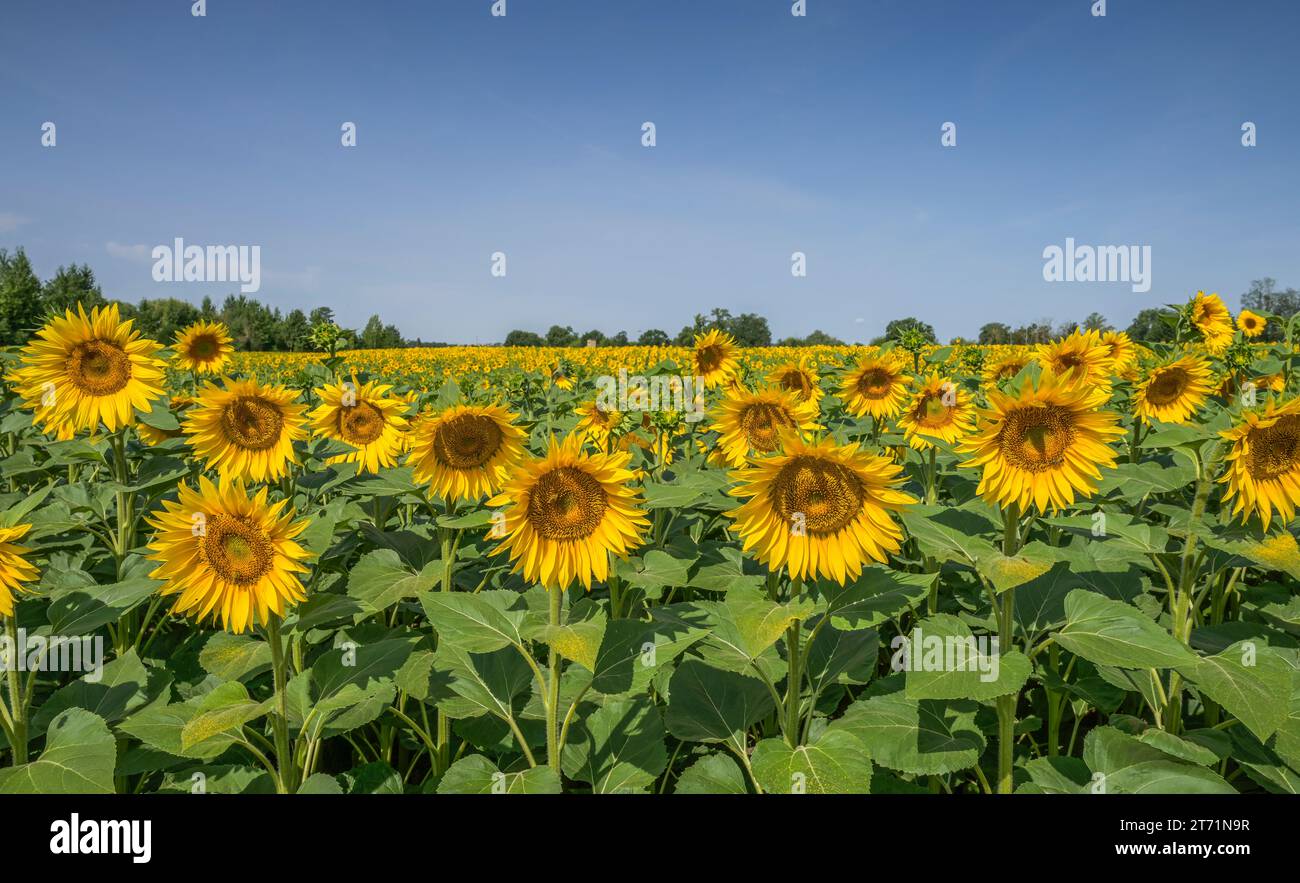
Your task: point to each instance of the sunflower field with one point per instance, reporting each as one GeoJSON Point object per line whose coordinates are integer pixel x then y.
{"type": "Point", "coordinates": [1069, 568]}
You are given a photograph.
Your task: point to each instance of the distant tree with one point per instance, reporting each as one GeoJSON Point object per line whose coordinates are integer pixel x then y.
{"type": "Point", "coordinates": [160, 319]}
{"type": "Point", "coordinates": [561, 335]}
{"type": "Point", "coordinates": [377, 336]}
{"type": "Point", "coordinates": [1033, 333]}
{"type": "Point", "coordinates": [297, 331]}
{"type": "Point", "coordinates": [994, 333]}
{"type": "Point", "coordinates": [1264, 297]}
{"type": "Point", "coordinates": [524, 338]}
{"type": "Point", "coordinates": [817, 338]}
{"type": "Point", "coordinates": [319, 315]}
{"type": "Point", "coordinates": [597, 336]}
{"type": "Point", "coordinates": [70, 286]}
{"type": "Point", "coordinates": [207, 310]}
{"type": "Point", "coordinates": [895, 329]}
{"type": "Point", "coordinates": [1097, 322]}
{"type": "Point", "coordinates": [20, 298]}
{"type": "Point", "coordinates": [750, 329]}
{"type": "Point", "coordinates": [653, 337]}
{"type": "Point", "coordinates": [619, 339]}
{"type": "Point", "coordinates": [1149, 326]}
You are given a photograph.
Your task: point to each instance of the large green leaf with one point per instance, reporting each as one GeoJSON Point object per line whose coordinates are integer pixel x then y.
{"type": "Point", "coordinates": [381, 579]}
{"type": "Point", "coordinates": [476, 623]}
{"type": "Point", "coordinates": [79, 757]}
{"type": "Point", "coordinates": [478, 775]}
{"type": "Point", "coordinates": [923, 737]}
{"type": "Point", "coordinates": [617, 748]}
{"type": "Point", "coordinates": [1114, 633]}
{"type": "Point", "coordinates": [1249, 680]}
{"type": "Point", "coordinates": [707, 704]}
{"type": "Point", "coordinates": [834, 763]}
{"type": "Point", "coordinates": [944, 660]}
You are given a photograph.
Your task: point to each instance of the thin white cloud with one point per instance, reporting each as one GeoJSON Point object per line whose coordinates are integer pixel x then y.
{"type": "Point", "coordinates": [9, 222]}
{"type": "Point", "coordinates": [127, 252]}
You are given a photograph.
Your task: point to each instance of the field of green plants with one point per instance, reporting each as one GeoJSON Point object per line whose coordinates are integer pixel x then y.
{"type": "Point", "coordinates": [1064, 569]}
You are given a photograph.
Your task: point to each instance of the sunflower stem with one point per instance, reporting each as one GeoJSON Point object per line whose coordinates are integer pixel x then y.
{"type": "Point", "coordinates": [17, 707]}
{"type": "Point", "coordinates": [795, 681]}
{"type": "Point", "coordinates": [556, 599]}
{"type": "Point", "coordinates": [284, 759]}
{"type": "Point", "coordinates": [1006, 705]}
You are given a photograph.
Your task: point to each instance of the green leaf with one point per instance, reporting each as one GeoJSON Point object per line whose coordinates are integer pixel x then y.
{"type": "Point", "coordinates": [1251, 681]}
{"type": "Point", "coordinates": [944, 660]}
{"type": "Point", "coordinates": [617, 748]}
{"type": "Point", "coordinates": [122, 687]}
{"type": "Point", "coordinates": [922, 737]}
{"type": "Point", "coordinates": [477, 623]}
{"type": "Point", "coordinates": [79, 757]}
{"type": "Point", "coordinates": [712, 774]}
{"type": "Point", "coordinates": [86, 607]}
{"type": "Point", "coordinates": [1127, 765]}
{"type": "Point", "coordinates": [234, 657]}
{"type": "Point", "coordinates": [950, 534]}
{"type": "Point", "coordinates": [380, 579]}
{"type": "Point", "coordinates": [478, 775]}
{"type": "Point", "coordinates": [834, 763]}
{"type": "Point", "coordinates": [221, 714]}
{"type": "Point", "coordinates": [1114, 633]}
{"type": "Point", "coordinates": [710, 705]}
{"type": "Point", "coordinates": [747, 623]}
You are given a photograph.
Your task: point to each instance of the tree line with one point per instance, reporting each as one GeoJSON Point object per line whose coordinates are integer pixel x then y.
{"type": "Point", "coordinates": [26, 302]}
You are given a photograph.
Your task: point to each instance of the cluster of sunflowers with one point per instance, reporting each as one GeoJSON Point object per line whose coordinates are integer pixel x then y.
{"type": "Point", "coordinates": [824, 448]}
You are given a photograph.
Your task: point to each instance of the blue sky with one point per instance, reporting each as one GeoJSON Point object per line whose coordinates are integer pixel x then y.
{"type": "Point", "coordinates": [775, 134]}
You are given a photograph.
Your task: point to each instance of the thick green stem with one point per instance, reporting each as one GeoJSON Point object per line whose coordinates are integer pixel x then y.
{"type": "Point", "coordinates": [794, 684]}
{"type": "Point", "coordinates": [1181, 608]}
{"type": "Point", "coordinates": [1006, 705]}
{"type": "Point", "coordinates": [17, 707]}
{"type": "Point", "coordinates": [284, 759]}
{"type": "Point", "coordinates": [556, 598]}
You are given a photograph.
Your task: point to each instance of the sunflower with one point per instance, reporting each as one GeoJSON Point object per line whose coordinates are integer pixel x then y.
{"type": "Point", "coordinates": [364, 416]}
{"type": "Point", "coordinates": [246, 429]}
{"type": "Point", "coordinates": [1078, 357]}
{"type": "Point", "coordinates": [941, 410]}
{"type": "Point", "coordinates": [562, 376]}
{"type": "Point", "coordinates": [819, 509]}
{"type": "Point", "coordinates": [83, 370]}
{"type": "Point", "coordinates": [568, 512]}
{"type": "Point", "coordinates": [1264, 463]}
{"type": "Point", "coordinates": [715, 358]}
{"type": "Point", "coordinates": [1004, 367]}
{"type": "Point", "coordinates": [203, 348]}
{"type": "Point", "coordinates": [228, 555]}
{"type": "Point", "coordinates": [799, 378]}
{"type": "Point", "coordinates": [14, 568]}
{"type": "Point", "coordinates": [1123, 353]}
{"type": "Point", "coordinates": [1044, 447]}
{"type": "Point", "coordinates": [1251, 324]}
{"type": "Point", "coordinates": [1174, 391]}
{"type": "Point", "coordinates": [597, 424]}
{"type": "Point", "coordinates": [754, 421]}
{"type": "Point", "coordinates": [1212, 320]}
{"type": "Point", "coordinates": [466, 451]}
{"type": "Point", "coordinates": [876, 386]}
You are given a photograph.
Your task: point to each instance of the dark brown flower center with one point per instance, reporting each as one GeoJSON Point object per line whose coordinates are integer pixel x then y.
{"type": "Point", "coordinates": [360, 424]}
{"type": "Point", "coordinates": [566, 504]}
{"type": "Point", "coordinates": [252, 422]}
{"type": "Point", "coordinates": [236, 549]}
{"type": "Point", "coordinates": [98, 367]}
{"type": "Point", "coordinates": [467, 441]}
{"type": "Point", "coordinates": [821, 496]}
{"type": "Point", "coordinates": [1036, 439]}
{"type": "Point", "coordinates": [1274, 450]}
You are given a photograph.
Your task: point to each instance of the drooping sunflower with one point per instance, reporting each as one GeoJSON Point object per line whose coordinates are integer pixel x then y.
{"type": "Point", "coordinates": [876, 386]}
{"type": "Point", "coordinates": [819, 509]}
{"type": "Point", "coordinates": [1174, 391]}
{"type": "Point", "coordinates": [1212, 320]}
{"type": "Point", "coordinates": [939, 409]}
{"type": "Point", "coordinates": [203, 348]}
{"type": "Point", "coordinates": [1044, 447]}
{"type": "Point", "coordinates": [753, 422]}
{"type": "Point", "coordinates": [15, 569]}
{"type": "Point", "coordinates": [1251, 324]}
{"type": "Point", "coordinates": [597, 424]}
{"type": "Point", "coordinates": [364, 416]}
{"type": "Point", "coordinates": [83, 370]}
{"type": "Point", "coordinates": [1004, 367]}
{"type": "Point", "coordinates": [1263, 472]}
{"type": "Point", "coordinates": [800, 378]}
{"type": "Point", "coordinates": [227, 555]}
{"type": "Point", "coordinates": [245, 429]}
{"type": "Point", "coordinates": [715, 358]}
{"type": "Point", "coordinates": [465, 452]}
{"type": "Point", "coordinates": [568, 511]}
{"type": "Point", "coordinates": [1078, 357]}
{"type": "Point", "coordinates": [1123, 352]}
